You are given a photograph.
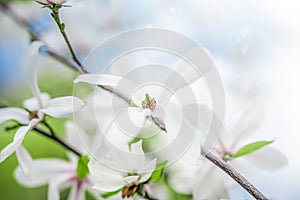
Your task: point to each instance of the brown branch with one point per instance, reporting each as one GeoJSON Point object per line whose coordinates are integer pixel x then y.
{"type": "Point", "coordinates": [242, 181]}
{"type": "Point", "coordinates": [56, 139]}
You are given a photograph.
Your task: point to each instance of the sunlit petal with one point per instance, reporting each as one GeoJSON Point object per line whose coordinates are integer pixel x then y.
{"type": "Point", "coordinates": [17, 114]}
{"type": "Point", "coordinates": [62, 107]}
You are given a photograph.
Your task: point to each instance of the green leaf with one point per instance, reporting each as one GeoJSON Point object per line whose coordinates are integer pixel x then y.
{"type": "Point", "coordinates": [158, 172]}
{"type": "Point", "coordinates": [134, 140]}
{"type": "Point", "coordinates": [82, 167]}
{"type": "Point", "coordinates": [249, 148]}
{"type": "Point", "coordinates": [132, 104]}
{"type": "Point", "coordinates": [89, 196]}
{"type": "Point", "coordinates": [109, 194]}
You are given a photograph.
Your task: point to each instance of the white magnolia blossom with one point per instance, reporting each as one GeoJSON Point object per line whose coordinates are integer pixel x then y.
{"type": "Point", "coordinates": [47, 2]}
{"type": "Point", "coordinates": [138, 170]}
{"type": "Point", "coordinates": [150, 105]}
{"type": "Point", "coordinates": [58, 173]}
{"type": "Point", "coordinates": [249, 122]}
{"type": "Point", "coordinates": [35, 110]}
{"type": "Point", "coordinates": [196, 180]}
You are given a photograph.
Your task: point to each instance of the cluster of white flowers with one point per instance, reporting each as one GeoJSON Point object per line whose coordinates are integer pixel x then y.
{"type": "Point", "coordinates": [96, 166]}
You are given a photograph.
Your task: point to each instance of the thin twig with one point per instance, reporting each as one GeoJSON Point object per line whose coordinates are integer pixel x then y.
{"type": "Point", "coordinates": [55, 14]}
{"type": "Point", "coordinates": [49, 127]}
{"type": "Point", "coordinates": [56, 139]}
{"type": "Point", "coordinates": [233, 173]}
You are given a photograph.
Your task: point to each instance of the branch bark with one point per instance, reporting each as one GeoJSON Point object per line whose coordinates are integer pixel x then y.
{"type": "Point", "coordinates": [234, 174]}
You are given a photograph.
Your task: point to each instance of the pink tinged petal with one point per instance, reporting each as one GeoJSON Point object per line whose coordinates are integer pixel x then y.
{"type": "Point", "coordinates": [54, 186]}
{"type": "Point", "coordinates": [77, 191]}
{"type": "Point", "coordinates": [267, 158]}
{"type": "Point", "coordinates": [18, 138]}
{"type": "Point", "coordinates": [33, 104]}
{"type": "Point", "coordinates": [62, 107]}
{"type": "Point", "coordinates": [43, 171]}
{"type": "Point", "coordinates": [25, 162]}
{"type": "Point", "coordinates": [17, 114]}
{"type": "Point", "coordinates": [147, 171]}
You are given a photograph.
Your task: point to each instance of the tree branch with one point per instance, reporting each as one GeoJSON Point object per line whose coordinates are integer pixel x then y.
{"type": "Point", "coordinates": [56, 139]}
{"type": "Point", "coordinates": [242, 181]}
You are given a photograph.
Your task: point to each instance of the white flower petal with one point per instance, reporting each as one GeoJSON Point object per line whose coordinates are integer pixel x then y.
{"type": "Point", "coordinates": [131, 120]}
{"type": "Point", "coordinates": [193, 153]}
{"type": "Point", "coordinates": [32, 65]}
{"type": "Point", "coordinates": [120, 86]}
{"type": "Point", "coordinates": [115, 185]}
{"type": "Point", "coordinates": [33, 104]}
{"type": "Point", "coordinates": [17, 114]}
{"type": "Point", "coordinates": [76, 136]}
{"type": "Point", "coordinates": [62, 107]}
{"type": "Point", "coordinates": [147, 171]}
{"type": "Point", "coordinates": [54, 186]}
{"type": "Point", "coordinates": [183, 181]}
{"type": "Point", "coordinates": [248, 123]}
{"type": "Point", "coordinates": [121, 67]}
{"type": "Point", "coordinates": [204, 189]}
{"type": "Point", "coordinates": [267, 158]}
{"type": "Point", "coordinates": [185, 73]}
{"type": "Point", "coordinates": [25, 161]}
{"type": "Point", "coordinates": [18, 138]}
{"type": "Point", "coordinates": [43, 170]}
{"type": "Point", "coordinates": [137, 149]}
{"type": "Point", "coordinates": [99, 79]}
{"type": "Point", "coordinates": [103, 173]}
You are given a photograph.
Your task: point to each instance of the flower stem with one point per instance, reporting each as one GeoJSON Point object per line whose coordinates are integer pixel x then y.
{"type": "Point", "coordinates": [55, 14]}
{"type": "Point", "coordinates": [233, 173]}
{"type": "Point", "coordinates": [56, 139]}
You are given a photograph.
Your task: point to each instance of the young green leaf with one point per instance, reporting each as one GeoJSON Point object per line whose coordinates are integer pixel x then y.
{"type": "Point", "coordinates": [109, 194]}
{"type": "Point", "coordinates": [158, 172]}
{"type": "Point", "coordinates": [132, 104]}
{"type": "Point", "coordinates": [249, 148]}
{"type": "Point", "coordinates": [82, 167]}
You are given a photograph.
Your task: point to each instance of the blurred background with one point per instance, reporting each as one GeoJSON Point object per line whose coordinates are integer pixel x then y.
{"type": "Point", "coordinates": [255, 45]}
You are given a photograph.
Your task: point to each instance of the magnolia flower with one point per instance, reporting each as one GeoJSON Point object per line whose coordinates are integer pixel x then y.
{"type": "Point", "coordinates": [35, 110]}
{"type": "Point", "coordinates": [60, 173]}
{"type": "Point", "coordinates": [150, 91]}
{"type": "Point", "coordinates": [48, 2]}
{"type": "Point", "coordinates": [149, 88]}
{"type": "Point", "coordinates": [267, 158]}
{"type": "Point", "coordinates": [138, 171]}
